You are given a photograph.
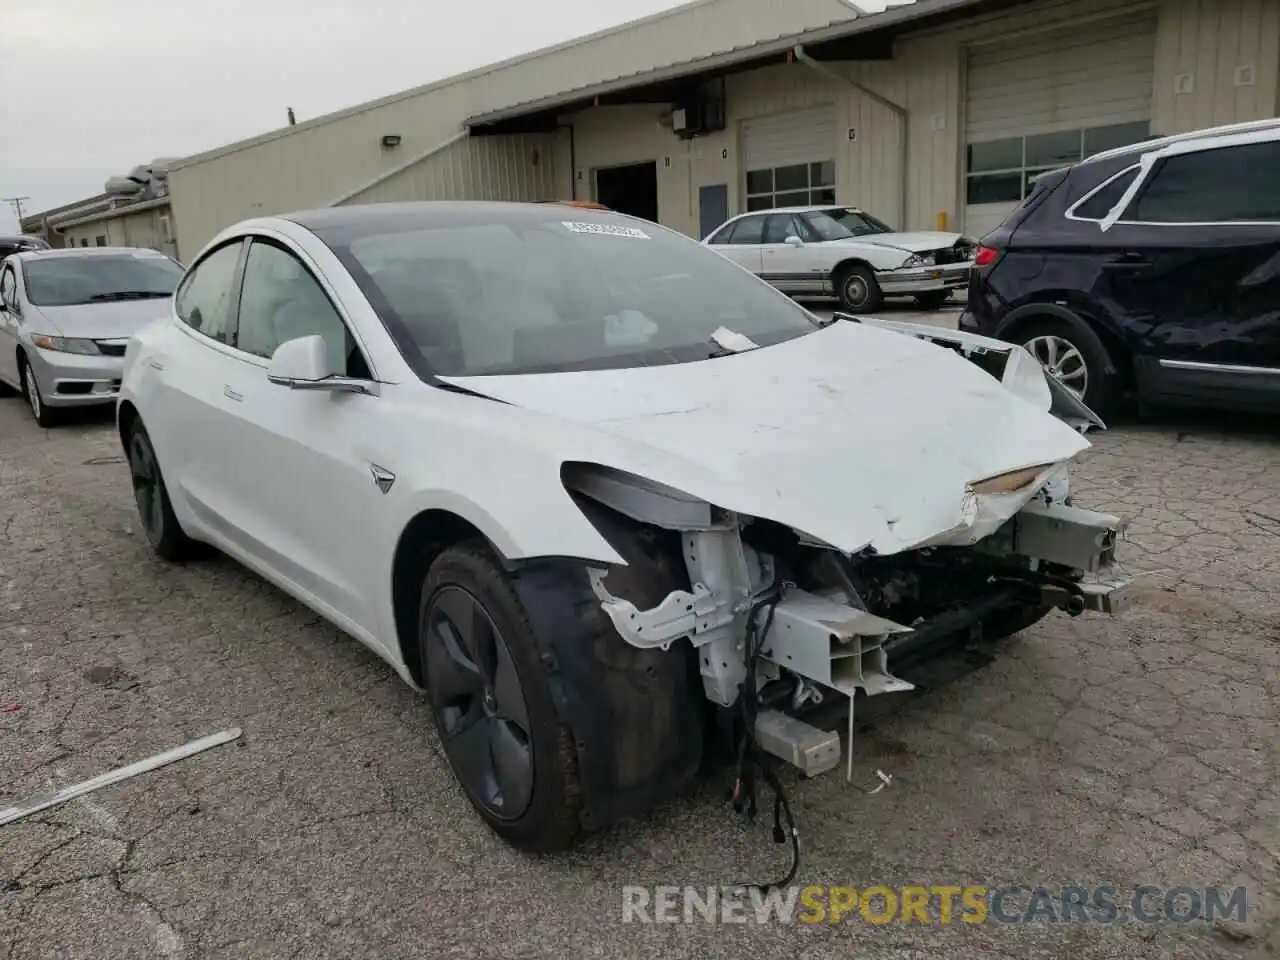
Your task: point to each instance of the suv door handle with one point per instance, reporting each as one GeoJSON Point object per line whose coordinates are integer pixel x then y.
{"type": "Point", "coordinates": [231, 394]}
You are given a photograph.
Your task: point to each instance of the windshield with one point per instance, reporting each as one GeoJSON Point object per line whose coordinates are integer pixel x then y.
{"type": "Point", "coordinates": [57, 281]}
{"type": "Point", "coordinates": [519, 292]}
{"type": "Point", "coordinates": [845, 222]}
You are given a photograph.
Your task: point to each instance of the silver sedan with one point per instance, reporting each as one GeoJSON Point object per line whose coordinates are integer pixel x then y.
{"type": "Point", "coordinates": [66, 317]}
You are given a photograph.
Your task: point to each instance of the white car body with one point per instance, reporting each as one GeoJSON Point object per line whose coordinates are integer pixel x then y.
{"type": "Point", "coordinates": [856, 437]}
{"type": "Point", "coordinates": [799, 263]}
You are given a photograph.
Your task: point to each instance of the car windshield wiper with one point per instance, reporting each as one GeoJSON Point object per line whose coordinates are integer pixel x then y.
{"type": "Point", "coordinates": [127, 295]}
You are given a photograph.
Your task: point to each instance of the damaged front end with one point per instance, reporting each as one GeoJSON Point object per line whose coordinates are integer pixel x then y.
{"type": "Point", "coordinates": [772, 612]}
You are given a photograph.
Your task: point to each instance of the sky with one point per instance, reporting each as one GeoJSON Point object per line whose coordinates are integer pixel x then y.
{"type": "Point", "coordinates": [92, 88]}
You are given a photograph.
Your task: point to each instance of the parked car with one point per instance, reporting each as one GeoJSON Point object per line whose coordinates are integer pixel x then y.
{"type": "Point", "coordinates": [590, 485]}
{"type": "Point", "coordinates": [16, 244]}
{"type": "Point", "coordinates": [1150, 271]}
{"type": "Point", "coordinates": [846, 253]}
{"type": "Point", "coordinates": [66, 316]}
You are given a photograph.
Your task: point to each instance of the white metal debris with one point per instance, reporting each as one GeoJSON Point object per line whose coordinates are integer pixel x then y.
{"type": "Point", "coordinates": [37, 804]}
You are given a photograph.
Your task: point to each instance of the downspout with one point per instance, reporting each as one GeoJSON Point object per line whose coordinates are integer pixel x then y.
{"type": "Point", "coordinates": [573, 161]}
{"type": "Point", "coordinates": [898, 110]}
{"type": "Point", "coordinates": [400, 168]}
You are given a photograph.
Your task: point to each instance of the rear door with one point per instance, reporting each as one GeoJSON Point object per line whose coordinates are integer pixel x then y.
{"type": "Point", "coordinates": [1196, 258]}
{"type": "Point", "coordinates": [740, 242]}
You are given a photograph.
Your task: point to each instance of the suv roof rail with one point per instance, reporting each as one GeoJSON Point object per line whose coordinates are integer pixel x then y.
{"type": "Point", "coordinates": [1157, 143]}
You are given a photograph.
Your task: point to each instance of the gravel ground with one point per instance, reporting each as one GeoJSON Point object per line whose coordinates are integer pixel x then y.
{"type": "Point", "coordinates": [1140, 750]}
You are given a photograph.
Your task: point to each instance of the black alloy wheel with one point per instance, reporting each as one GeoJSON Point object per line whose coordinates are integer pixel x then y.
{"type": "Point", "coordinates": [148, 488]}
{"type": "Point", "coordinates": [480, 707]}
{"type": "Point", "coordinates": [164, 533]}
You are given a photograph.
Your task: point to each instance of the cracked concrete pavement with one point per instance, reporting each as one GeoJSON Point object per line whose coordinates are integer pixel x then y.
{"type": "Point", "coordinates": [1131, 751]}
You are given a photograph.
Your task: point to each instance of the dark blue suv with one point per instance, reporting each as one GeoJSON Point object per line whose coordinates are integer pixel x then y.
{"type": "Point", "coordinates": [1150, 271]}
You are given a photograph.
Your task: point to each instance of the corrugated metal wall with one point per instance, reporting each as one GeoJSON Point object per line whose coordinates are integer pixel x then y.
{"type": "Point", "coordinates": [690, 33]}
{"type": "Point", "coordinates": [313, 165]}
{"type": "Point", "coordinates": [141, 229]}
{"type": "Point", "coordinates": [1210, 40]}
{"type": "Point", "coordinates": [478, 168]}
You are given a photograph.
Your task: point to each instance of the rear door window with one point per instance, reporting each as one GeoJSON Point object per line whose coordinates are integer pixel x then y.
{"type": "Point", "coordinates": [1098, 204]}
{"type": "Point", "coordinates": [749, 230]}
{"type": "Point", "coordinates": [1237, 184]}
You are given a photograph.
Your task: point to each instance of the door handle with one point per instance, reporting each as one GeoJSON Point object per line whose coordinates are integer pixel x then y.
{"type": "Point", "coordinates": [231, 394]}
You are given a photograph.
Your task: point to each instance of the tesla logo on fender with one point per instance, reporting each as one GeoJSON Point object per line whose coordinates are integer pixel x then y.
{"type": "Point", "coordinates": [383, 478]}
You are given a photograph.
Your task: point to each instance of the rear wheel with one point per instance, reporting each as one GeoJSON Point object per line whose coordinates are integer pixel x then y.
{"type": "Point", "coordinates": [933, 300]}
{"type": "Point", "coordinates": [1070, 350]}
{"type": "Point", "coordinates": [159, 522]}
{"type": "Point", "coordinates": [492, 702]}
{"type": "Point", "coordinates": [857, 289]}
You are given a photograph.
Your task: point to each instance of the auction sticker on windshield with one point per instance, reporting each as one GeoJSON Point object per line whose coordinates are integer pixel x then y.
{"type": "Point", "coordinates": [607, 229]}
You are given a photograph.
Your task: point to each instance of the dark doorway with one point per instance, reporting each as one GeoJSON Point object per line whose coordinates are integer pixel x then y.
{"type": "Point", "coordinates": [632, 189]}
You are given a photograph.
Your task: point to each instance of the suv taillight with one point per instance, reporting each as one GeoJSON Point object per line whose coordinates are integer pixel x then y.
{"type": "Point", "coordinates": [985, 256]}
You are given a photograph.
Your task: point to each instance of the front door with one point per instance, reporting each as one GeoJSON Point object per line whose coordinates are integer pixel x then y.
{"type": "Point", "coordinates": [1195, 261]}
{"type": "Point", "coordinates": [304, 487]}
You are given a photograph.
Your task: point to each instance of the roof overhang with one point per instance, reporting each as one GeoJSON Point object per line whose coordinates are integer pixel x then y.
{"type": "Point", "coordinates": [869, 37]}
{"type": "Point", "coordinates": [112, 213]}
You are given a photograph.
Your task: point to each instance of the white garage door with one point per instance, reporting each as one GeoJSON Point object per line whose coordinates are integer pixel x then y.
{"type": "Point", "coordinates": [789, 158]}
{"type": "Point", "coordinates": [1043, 101]}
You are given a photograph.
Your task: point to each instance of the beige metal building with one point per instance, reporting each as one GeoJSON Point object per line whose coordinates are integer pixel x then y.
{"type": "Point", "coordinates": [133, 211]}
{"type": "Point", "coordinates": [936, 112]}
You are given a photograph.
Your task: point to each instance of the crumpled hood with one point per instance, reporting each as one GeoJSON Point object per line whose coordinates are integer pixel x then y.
{"type": "Point", "coordinates": [917, 241]}
{"type": "Point", "coordinates": [853, 435]}
{"type": "Point", "coordinates": [116, 320]}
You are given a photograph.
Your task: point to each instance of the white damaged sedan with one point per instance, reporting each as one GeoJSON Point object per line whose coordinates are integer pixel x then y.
{"type": "Point", "coordinates": [597, 490]}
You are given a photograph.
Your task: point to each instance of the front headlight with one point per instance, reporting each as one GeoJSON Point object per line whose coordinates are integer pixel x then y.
{"type": "Point", "coordinates": [65, 344]}
{"type": "Point", "coordinates": [919, 260]}
{"type": "Point", "coordinates": [1009, 482]}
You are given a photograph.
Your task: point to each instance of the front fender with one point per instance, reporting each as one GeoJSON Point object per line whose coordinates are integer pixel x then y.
{"type": "Point", "coordinates": [529, 520]}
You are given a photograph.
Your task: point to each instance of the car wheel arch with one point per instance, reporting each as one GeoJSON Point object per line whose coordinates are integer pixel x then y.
{"type": "Point", "coordinates": [126, 416]}
{"type": "Point", "coordinates": [427, 534]}
{"type": "Point", "coordinates": [848, 263]}
{"type": "Point", "coordinates": [1118, 352]}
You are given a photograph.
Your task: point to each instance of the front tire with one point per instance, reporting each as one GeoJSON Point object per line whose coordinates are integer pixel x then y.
{"type": "Point", "coordinates": [857, 289]}
{"type": "Point", "coordinates": [1070, 349]}
{"type": "Point", "coordinates": [492, 703]}
{"type": "Point", "coordinates": [159, 522]}
{"type": "Point", "coordinates": [45, 416]}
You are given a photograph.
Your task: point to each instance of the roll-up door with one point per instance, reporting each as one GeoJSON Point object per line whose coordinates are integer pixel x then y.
{"type": "Point", "coordinates": [789, 158]}
{"type": "Point", "coordinates": [1040, 102]}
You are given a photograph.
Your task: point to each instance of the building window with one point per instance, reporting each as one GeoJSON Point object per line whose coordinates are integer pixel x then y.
{"type": "Point", "coordinates": [99, 241]}
{"type": "Point", "coordinates": [1002, 171]}
{"type": "Point", "coordinates": [84, 241]}
{"type": "Point", "coordinates": [796, 185]}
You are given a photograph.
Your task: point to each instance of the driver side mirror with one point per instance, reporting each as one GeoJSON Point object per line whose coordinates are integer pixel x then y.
{"type": "Point", "coordinates": [793, 241]}
{"type": "Point", "coordinates": [303, 364]}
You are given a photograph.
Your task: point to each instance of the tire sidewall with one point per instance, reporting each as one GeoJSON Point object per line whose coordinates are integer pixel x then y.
{"type": "Point", "coordinates": [155, 537]}
{"type": "Point", "coordinates": [473, 569]}
{"type": "Point", "coordinates": [870, 301]}
{"type": "Point", "coordinates": [31, 393]}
